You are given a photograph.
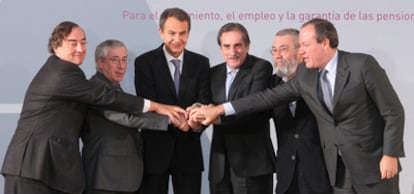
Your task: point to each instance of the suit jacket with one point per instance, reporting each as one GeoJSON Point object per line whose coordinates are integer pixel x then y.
{"type": "Point", "coordinates": [299, 146]}
{"type": "Point", "coordinates": [367, 120]}
{"type": "Point", "coordinates": [112, 150]}
{"type": "Point", "coordinates": [243, 141]}
{"type": "Point", "coordinates": [45, 144]}
{"type": "Point", "coordinates": [174, 149]}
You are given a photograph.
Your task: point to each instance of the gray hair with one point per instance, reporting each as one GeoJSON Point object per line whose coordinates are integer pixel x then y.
{"type": "Point", "coordinates": [292, 32]}
{"type": "Point", "coordinates": [102, 49]}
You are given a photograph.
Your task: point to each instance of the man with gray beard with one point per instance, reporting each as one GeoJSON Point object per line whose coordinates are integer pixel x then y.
{"type": "Point", "coordinates": [301, 167]}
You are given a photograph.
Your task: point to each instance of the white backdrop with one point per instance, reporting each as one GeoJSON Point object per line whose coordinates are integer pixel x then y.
{"type": "Point", "coordinates": [383, 28]}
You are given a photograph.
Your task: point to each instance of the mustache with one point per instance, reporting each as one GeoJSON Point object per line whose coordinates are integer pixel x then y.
{"type": "Point", "coordinates": [234, 57]}
{"type": "Point", "coordinates": [284, 61]}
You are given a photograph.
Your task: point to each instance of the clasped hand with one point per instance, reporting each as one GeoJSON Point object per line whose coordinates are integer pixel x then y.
{"type": "Point", "coordinates": [195, 117]}
{"type": "Point", "coordinates": [191, 120]}
{"type": "Point", "coordinates": [203, 114]}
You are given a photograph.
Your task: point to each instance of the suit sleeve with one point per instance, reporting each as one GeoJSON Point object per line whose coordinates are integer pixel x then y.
{"type": "Point", "coordinates": [268, 98]}
{"type": "Point", "coordinates": [383, 94]}
{"type": "Point", "coordinates": [147, 120]}
{"type": "Point", "coordinates": [74, 86]}
{"type": "Point", "coordinates": [261, 73]}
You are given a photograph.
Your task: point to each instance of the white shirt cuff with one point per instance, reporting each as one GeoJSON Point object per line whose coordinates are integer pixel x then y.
{"type": "Point", "coordinates": [228, 109]}
{"type": "Point", "coordinates": [147, 104]}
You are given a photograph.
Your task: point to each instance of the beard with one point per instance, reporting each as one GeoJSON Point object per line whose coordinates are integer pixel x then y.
{"type": "Point", "coordinates": [287, 69]}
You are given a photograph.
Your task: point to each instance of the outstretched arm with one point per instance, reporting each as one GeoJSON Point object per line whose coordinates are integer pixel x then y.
{"type": "Point", "coordinates": [147, 120]}
{"type": "Point", "coordinates": [175, 113]}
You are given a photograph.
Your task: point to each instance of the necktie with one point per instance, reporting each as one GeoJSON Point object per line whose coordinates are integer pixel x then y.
{"type": "Point", "coordinates": [176, 64]}
{"type": "Point", "coordinates": [118, 87]}
{"type": "Point", "coordinates": [292, 107]}
{"type": "Point", "coordinates": [229, 80]}
{"type": "Point", "coordinates": [326, 90]}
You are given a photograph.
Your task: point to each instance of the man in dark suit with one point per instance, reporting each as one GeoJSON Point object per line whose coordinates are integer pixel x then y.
{"type": "Point", "coordinates": [300, 164]}
{"type": "Point", "coordinates": [112, 145]}
{"type": "Point", "coordinates": [174, 152]}
{"type": "Point", "coordinates": [242, 158]}
{"type": "Point", "coordinates": [360, 118]}
{"type": "Point", "coordinates": [43, 156]}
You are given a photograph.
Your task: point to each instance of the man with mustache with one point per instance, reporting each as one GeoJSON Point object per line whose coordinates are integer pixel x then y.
{"type": "Point", "coordinates": [242, 159]}
{"type": "Point", "coordinates": [301, 168]}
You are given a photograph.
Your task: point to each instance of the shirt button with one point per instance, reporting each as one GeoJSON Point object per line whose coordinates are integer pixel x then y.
{"type": "Point", "coordinates": [296, 136]}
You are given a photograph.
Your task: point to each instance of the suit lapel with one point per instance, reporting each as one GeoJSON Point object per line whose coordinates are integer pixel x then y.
{"type": "Point", "coordinates": [219, 83]}
{"type": "Point", "coordinates": [311, 81]}
{"type": "Point", "coordinates": [342, 75]}
{"type": "Point", "coordinates": [299, 113]}
{"type": "Point", "coordinates": [314, 86]}
{"type": "Point", "coordinates": [236, 83]}
{"type": "Point", "coordinates": [299, 108]}
{"type": "Point", "coordinates": [240, 77]}
{"type": "Point", "coordinates": [186, 74]}
{"type": "Point", "coordinates": [164, 70]}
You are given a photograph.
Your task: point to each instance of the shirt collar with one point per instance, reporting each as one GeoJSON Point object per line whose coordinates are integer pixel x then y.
{"type": "Point", "coordinates": [228, 69]}
{"type": "Point", "coordinates": [169, 57]}
{"type": "Point", "coordinates": [332, 64]}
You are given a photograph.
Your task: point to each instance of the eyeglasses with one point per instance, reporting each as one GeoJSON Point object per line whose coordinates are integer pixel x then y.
{"type": "Point", "coordinates": [280, 50]}
{"type": "Point", "coordinates": [75, 43]}
{"type": "Point", "coordinates": [118, 60]}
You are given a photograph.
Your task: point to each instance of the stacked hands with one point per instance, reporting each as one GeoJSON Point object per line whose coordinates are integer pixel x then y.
{"type": "Point", "coordinates": [194, 117]}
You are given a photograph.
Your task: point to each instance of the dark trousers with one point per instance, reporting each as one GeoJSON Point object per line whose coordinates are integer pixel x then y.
{"type": "Point", "coordinates": [107, 192]}
{"type": "Point", "coordinates": [300, 185]}
{"type": "Point", "coordinates": [182, 183]}
{"type": "Point", "coordinates": [233, 184]}
{"type": "Point", "coordinates": [20, 185]}
{"type": "Point", "coordinates": [344, 183]}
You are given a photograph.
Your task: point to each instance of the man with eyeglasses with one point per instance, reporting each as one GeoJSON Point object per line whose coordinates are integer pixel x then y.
{"type": "Point", "coordinates": [112, 145]}
{"type": "Point", "coordinates": [300, 164]}
{"type": "Point", "coordinates": [43, 156]}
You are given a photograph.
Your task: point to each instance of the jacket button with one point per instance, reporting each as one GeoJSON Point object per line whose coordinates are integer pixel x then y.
{"type": "Point", "coordinates": [293, 157]}
{"type": "Point", "coordinates": [296, 136]}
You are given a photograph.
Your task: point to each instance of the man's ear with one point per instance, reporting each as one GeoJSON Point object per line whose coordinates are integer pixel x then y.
{"type": "Point", "coordinates": [160, 31]}
{"type": "Point", "coordinates": [100, 63]}
{"type": "Point", "coordinates": [326, 43]}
